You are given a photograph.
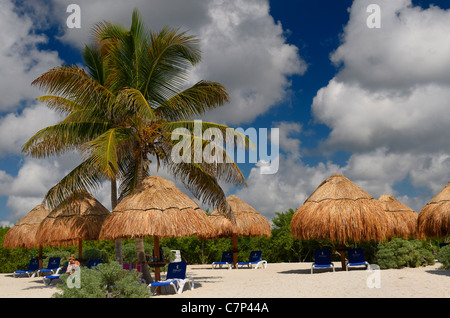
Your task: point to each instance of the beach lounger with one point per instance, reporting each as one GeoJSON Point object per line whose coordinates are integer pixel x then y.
{"type": "Point", "coordinates": [94, 262]}
{"type": "Point", "coordinates": [57, 275]}
{"type": "Point", "coordinates": [227, 260]}
{"type": "Point", "coordinates": [176, 277]}
{"type": "Point", "coordinates": [33, 267]}
{"type": "Point", "coordinates": [254, 258]}
{"type": "Point", "coordinates": [356, 258]}
{"type": "Point", "coordinates": [52, 267]}
{"type": "Point", "coordinates": [322, 259]}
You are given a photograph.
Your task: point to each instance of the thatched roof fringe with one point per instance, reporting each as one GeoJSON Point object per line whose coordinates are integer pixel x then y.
{"type": "Point", "coordinates": [248, 221]}
{"type": "Point", "coordinates": [81, 218]}
{"type": "Point", "coordinates": [434, 218]}
{"type": "Point", "coordinates": [340, 211]}
{"type": "Point", "coordinates": [156, 208]}
{"type": "Point", "coordinates": [23, 233]}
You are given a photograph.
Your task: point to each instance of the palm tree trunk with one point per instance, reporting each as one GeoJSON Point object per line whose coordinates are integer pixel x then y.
{"type": "Point", "coordinates": [139, 241]}
{"type": "Point", "coordinates": [141, 259]}
{"type": "Point", "coordinates": [117, 243]}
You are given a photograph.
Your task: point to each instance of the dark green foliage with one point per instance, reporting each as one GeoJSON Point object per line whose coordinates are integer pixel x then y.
{"type": "Point", "coordinates": [399, 253]}
{"type": "Point", "coordinates": [444, 257]}
{"type": "Point", "coordinates": [129, 252]}
{"type": "Point", "coordinates": [95, 253]}
{"type": "Point", "coordinates": [283, 246]}
{"type": "Point", "coordinates": [104, 281]}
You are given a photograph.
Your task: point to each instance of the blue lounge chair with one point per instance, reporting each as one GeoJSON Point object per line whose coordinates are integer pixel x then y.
{"type": "Point", "coordinates": [33, 267]}
{"type": "Point", "coordinates": [227, 259]}
{"type": "Point", "coordinates": [356, 258]}
{"type": "Point", "coordinates": [176, 277]}
{"type": "Point", "coordinates": [322, 259]}
{"type": "Point", "coordinates": [57, 275]}
{"type": "Point", "coordinates": [52, 267]}
{"type": "Point", "coordinates": [254, 258]}
{"type": "Point", "coordinates": [94, 262]}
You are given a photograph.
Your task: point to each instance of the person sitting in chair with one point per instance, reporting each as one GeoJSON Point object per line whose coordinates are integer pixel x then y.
{"type": "Point", "coordinates": [73, 264]}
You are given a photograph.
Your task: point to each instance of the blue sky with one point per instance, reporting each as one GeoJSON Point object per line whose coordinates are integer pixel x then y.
{"type": "Point", "coordinates": [370, 103]}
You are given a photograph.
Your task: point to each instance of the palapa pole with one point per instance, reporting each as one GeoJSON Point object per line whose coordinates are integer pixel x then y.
{"type": "Point", "coordinates": [80, 249]}
{"type": "Point", "coordinates": [341, 250]}
{"type": "Point", "coordinates": [157, 269]}
{"type": "Point", "coordinates": [235, 250]}
{"type": "Point", "coordinates": [156, 252]}
{"type": "Point", "coordinates": [40, 257]}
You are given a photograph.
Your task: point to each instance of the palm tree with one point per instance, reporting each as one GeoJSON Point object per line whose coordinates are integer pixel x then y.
{"type": "Point", "coordinates": [121, 113]}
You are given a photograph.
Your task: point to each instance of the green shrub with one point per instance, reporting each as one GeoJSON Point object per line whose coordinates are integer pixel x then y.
{"type": "Point", "coordinates": [95, 253]}
{"type": "Point", "coordinates": [105, 281]}
{"type": "Point", "coordinates": [399, 253]}
{"type": "Point", "coordinates": [129, 252]}
{"type": "Point", "coordinates": [444, 257]}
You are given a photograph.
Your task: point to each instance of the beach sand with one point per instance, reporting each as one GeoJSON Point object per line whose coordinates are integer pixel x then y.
{"type": "Point", "coordinates": [281, 280]}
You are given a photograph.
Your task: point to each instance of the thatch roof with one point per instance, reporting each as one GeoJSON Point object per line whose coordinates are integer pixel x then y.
{"type": "Point", "coordinates": [79, 218]}
{"type": "Point", "coordinates": [156, 208]}
{"type": "Point", "coordinates": [23, 233]}
{"type": "Point", "coordinates": [434, 218]}
{"type": "Point", "coordinates": [248, 221]}
{"type": "Point", "coordinates": [403, 220]}
{"type": "Point", "coordinates": [340, 211]}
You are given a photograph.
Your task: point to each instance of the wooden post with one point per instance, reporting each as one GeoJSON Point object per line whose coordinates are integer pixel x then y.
{"type": "Point", "coordinates": [80, 249]}
{"type": "Point", "coordinates": [156, 252]}
{"type": "Point", "coordinates": [342, 252]}
{"type": "Point", "coordinates": [234, 251]}
{"type": "Point", "coordinates": [40, 256]}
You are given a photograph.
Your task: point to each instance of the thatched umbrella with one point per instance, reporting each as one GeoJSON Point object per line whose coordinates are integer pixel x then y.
{"type": "Point", "coordinates": [403, 220]}
{"type": "Point", "coordinates": [434, 218]}
{"type": "Point", "coordinates": [23, 233]}
{"type": "Point", "coordinates": [80, 218]}
{"type": "Point", "coordinates": [156, 209]}
{"type": "Point", "coordinates": [340, 211]}
{"type": "Point", "coordinates": [248, 223]}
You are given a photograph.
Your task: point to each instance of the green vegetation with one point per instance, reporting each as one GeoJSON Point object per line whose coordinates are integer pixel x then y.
{"type": "Point", "coordinates": [399, 253]}
{"type": "Point", "coordinates": [105, 281]}
{"type": "Point", "coordinates": [444, 257]}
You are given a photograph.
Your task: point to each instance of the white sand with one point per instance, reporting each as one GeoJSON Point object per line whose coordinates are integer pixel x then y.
{"type": "Point", "coordinates": [282, 280]}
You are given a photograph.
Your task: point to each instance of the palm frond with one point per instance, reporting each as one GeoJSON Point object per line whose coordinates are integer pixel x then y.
{"type": "Point", "coordinates": [60, 104]}
{"type": "Point", "coordinates": [232, 136]}
{"type": "Point", "coordinates": [59, 138]}
{"type": "Point", "coordinates": [194, 101]}
{"type": "Point", "coordinates": [105, 150]}
{"type": "Point", "coordinates": [74, 84]}
{"type": "Point", "coordinates": [94, 63]}
{"type": "Point", "coordinates": [165, 63]}
{"type": "Point", "coordinates": [84, 177]}
{"type": "Point", "coordinates": [135, 101]}
{"type": "Point", "coordinates": [202, 185]}
{"type": "Point", "coordinates": [221, 164]}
